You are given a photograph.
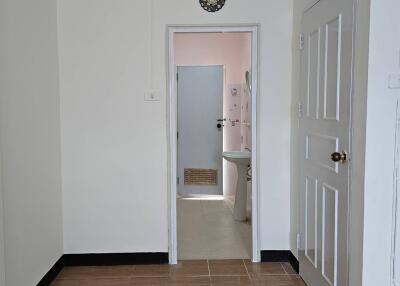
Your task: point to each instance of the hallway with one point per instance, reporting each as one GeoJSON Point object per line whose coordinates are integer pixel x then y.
{"type": "Point", "coordinates": [195, 273]}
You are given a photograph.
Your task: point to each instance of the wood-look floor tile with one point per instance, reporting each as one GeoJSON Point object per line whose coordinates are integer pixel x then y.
{"type": "Point", "coordinates": [71, 282]}
{"type": "Point", "coordinates": [93, 282]}
{"type": "Point", "coordinates": [190, 268]}
{"type": "Point", "coordinates": [288, 268]}
{"type": "Point", "coordinates": [192, 281]}
{"type": "Point", "coordinates": [277, 280]}
{"type": "Point", "coordinates": [152, 270]}
{"type": "Point", "coordinates": [173, 281]}
{"type": "Point", "coordinates": [227, 267]}
{"type": "Point", "coordinates": [96, 272]}
{"type": "Point", "coordinates": [230, 280]}
{"type": "Point", "coordinates": [149, 281]}
{"type": "Point", "coordinates": [264, 268]}
{"type": "Point", "coordinates": [110, 282]}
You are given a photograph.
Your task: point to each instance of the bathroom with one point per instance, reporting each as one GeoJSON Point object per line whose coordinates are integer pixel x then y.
{"type": "Point", "coordinates": [214, 143]}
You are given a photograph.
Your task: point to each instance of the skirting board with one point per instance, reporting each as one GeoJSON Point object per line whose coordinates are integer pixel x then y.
{"type": "Point", "coordinates": [106, 259]}
{"type": "Point", "coordinates": [280, 256]}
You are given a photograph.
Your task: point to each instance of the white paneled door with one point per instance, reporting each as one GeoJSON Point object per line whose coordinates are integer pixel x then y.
{"type": "Point", "coordinates": [325, 104]}
{"type": "Point", "coordinates": [200, 129]}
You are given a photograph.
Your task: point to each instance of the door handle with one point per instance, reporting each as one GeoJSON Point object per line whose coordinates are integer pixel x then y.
{"type": "Point", "coordinates": [221, 120]}
{"type": "Point", "coordinates": [339, 157]}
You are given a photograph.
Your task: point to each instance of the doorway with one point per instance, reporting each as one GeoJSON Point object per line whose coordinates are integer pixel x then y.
{"type": "Point", "coordinates": [213, 192]}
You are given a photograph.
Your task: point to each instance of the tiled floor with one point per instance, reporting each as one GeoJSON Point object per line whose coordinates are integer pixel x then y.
{"type": "Point", "coordinates": [192, 273]}
{"type": "Point", "coordinates": [207, 230]}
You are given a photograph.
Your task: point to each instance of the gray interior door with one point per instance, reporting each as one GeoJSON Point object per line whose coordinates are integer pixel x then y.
{"type": "Point", "coordinates": [200, 138]}
{"type": "Point", "coordinates": [326, 73]}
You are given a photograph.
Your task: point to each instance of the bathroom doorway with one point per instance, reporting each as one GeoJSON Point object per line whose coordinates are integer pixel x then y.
{"type": "Point", "coordinates": [212, 133]}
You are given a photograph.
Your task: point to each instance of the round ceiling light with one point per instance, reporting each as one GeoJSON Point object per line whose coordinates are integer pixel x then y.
{"type": "Point", "coordinates": [212, 5]}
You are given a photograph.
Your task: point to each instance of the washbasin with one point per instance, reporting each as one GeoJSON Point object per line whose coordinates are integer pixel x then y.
{"type": "Point", "coordinates": [238, 157]}
{"type": "Point", "coordinates": [242, 160]}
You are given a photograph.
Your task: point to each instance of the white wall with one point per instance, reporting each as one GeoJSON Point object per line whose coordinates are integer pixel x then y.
{"type": "Point", "coordinates": [114, 145]}
{"type": "Point", "coordinates": [231, 51]}
{"type": "Point", "coordinates": [30, 139]}
{"type": "Point", "coordinates": [2, 259]}
{"type": "Point", "coordinates": [384, 59]}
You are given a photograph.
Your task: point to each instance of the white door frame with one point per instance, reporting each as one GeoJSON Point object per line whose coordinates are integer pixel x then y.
{"type": "Point", "coordinates": [172, 130]}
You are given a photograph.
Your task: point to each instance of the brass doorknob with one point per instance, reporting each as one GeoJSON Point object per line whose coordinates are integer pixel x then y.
{"type": "Point", "coordinates": [339, 157]}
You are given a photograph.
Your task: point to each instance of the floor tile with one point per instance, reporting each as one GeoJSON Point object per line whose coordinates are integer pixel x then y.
{"type": "Point", "coordinates": [96, 272]}
{"type": "Point", "coordinates": [151, 270]}
{"type": "Point", "coordinates": [93, 282]}
{"type": "Point", "coordinates": [277, 280]}
{"type": "Point", "coordinates": [264, 268]}
{"type": "Point", "coordinates": [71, 282]}
{"type": "Point", "coordinates": [190, 268]}
{"type": "Point", "coordinates": [288, 268]}
{"type": "Point", "coordinates": [207, 230]}
{"type": "Point", "coordinates": [227, 267]}
{"type": "Point", "coordinates": [149, 281]}
{"type": "Point", "coordinates": [230, 280]}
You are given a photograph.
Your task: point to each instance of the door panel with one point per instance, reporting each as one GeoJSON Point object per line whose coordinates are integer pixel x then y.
{"type": "Point", "coordinates": [200, 141]}
{"type": "Point", "coordinates": [326, 70]}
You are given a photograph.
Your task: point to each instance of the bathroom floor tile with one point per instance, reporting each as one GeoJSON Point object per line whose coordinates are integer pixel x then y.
{"type": "Point", "coordinates": [207, 230]}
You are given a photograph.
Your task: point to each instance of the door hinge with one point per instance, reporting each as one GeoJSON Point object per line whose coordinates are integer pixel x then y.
{"type": "Point", "coordinates": [177, 180]}
{"type": "Point", "coordinates": [300, 110]}
{"type": "Point", "coordinates": [177, 135]}
{"type": "Point", "coordinates": [298, 241]}
{"type": "Point", "coordinates": [177, 76]}
{"type": "Point", "coordinates": [301, 42]}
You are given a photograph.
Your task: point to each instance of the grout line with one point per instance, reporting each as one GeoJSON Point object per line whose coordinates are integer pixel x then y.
{"type": "Point", "coordinates": [209, 271]}
{"type": "Point", "coordinates": [247, 271]}
{"type": "Point", "coordinates": [283, 268]}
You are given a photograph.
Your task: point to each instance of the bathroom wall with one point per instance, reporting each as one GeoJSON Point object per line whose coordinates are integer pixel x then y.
{"type": "Point", "coordinates": [114, 144]}
{"type": "Point", "coordinates": [30, 139]}
{"type": "Point", "coordinates": [230, 50]}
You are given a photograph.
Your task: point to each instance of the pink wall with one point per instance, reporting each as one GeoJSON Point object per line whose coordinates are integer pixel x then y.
{"type": "Point", "coordinates": [232, 50]}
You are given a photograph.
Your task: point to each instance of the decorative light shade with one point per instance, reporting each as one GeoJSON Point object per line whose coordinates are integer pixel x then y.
{"type": "Point", "coordinates": [212, 5]}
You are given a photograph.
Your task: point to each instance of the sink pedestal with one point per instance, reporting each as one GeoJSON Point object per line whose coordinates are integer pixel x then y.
{"type": "Point", "coordinates": [241, 160]}
{"type": "Point", "coordinates": [240, 208]}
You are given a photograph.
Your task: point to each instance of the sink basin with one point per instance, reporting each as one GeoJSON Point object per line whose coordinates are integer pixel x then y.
{"type": "Point", "coordinates": [242, 160]}
{"type": "Point", "coordinates": [238, 157]}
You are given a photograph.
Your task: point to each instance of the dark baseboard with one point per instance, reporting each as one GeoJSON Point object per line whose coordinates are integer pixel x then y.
{"type": "Point", "coordinates": [106, 259]}
{"type": "Point", "coordinates": [280, 256]}
{"type": "Point", "coordinates": [110, 259]}
{"type": "Point", "coordinates": [52, 273]}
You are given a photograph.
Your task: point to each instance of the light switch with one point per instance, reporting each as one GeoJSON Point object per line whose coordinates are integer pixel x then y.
{"type": "Point", "coordinates": [394, 81]}
{"type": "Point", "coordinates": [151, 96]}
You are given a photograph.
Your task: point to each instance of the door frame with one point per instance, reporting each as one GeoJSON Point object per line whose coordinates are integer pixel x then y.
{"type": "Point", "coordinates": [172, 112]}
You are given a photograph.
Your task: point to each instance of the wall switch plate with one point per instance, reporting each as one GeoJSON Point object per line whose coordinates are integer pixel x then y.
{"type": "Point", "coordinates": [394, 81]}
{"type": "Point", "coordinates": [152, 96]}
